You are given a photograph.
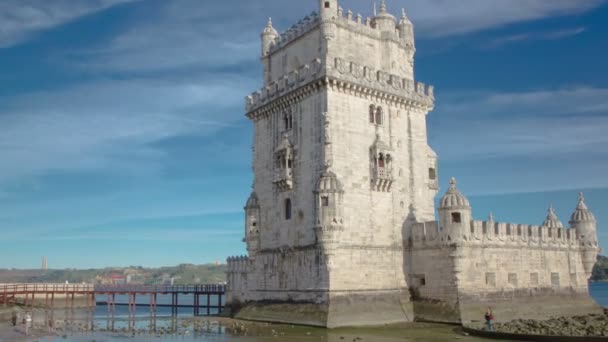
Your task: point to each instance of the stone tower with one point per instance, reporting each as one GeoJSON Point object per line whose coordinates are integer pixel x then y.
{"type": "Point", "coordinates": [339, 155]}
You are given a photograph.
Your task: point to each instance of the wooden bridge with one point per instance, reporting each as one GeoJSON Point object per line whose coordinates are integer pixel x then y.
{"type": "Point", "coordinates": [48, 295]}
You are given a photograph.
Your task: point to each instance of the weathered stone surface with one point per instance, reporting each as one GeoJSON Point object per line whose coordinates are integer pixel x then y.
{"type": "Point", "coordinates": [341, 227]}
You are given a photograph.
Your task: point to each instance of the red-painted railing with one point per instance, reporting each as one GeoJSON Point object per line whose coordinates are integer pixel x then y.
{"type": "Point", "coordinates": [8, 290]}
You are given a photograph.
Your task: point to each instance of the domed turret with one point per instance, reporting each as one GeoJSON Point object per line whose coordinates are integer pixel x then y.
{"type": "Point", "coordinates": [581, 213]}
{"type": "Point", "coordinates": [328, 209]}
{"type": "Point", "coordinates": [384, 21]}
{"type": "Point", "coordinates": [454, 213]}
{"type": "Point", "coordinates": [453, 198]}
{"type": "Point", "coordinates": [252, 224]}
{"type": "Point", "coordinates": [252, 202]}
{"type": "Point", "coordinates": [328, 183]}
{"type": "Point", "coordinates": [268, 36]}
{"type": "Point", "coordinates": [406, 30]}
{"type": "Point", "coordinates": [584, 222]}
{"type": "Point", "coordinates": [552, 221]}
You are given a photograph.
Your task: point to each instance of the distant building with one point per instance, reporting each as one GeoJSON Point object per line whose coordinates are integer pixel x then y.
{"type": "Point", "coordinates": [45, 265]}
{"type": "Point", "coordinates": [341, 226]}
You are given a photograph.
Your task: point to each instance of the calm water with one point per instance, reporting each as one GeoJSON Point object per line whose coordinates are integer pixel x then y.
{"type": "Point", "coordinates": [101, 326]}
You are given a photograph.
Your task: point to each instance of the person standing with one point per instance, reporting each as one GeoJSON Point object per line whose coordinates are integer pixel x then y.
{"type": "Point", "coordinates": [14, 318]}
{"type": "Point", "coordinates": [489, 320]}
{"type": "Point", "coordinates": [28, 322]}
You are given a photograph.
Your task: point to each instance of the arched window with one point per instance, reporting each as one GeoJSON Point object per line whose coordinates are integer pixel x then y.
{"type": "Point", "coordinates": [456, 218]}
{"type": "Point", "coordinates": [379, 116]}
{"type": "Point", "coordinates": [287, 120]}
{"type": "Point", "coordinates": [372, 114]}
{"type": "Point", "coordinates": [381, 161]}
{"type": "Point", "coordinates": [288, 209]}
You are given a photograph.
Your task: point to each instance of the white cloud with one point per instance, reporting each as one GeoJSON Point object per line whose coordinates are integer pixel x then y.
{"type": "Point", "coordinates": [534, 141]}
{"type": "Point", "coordinates": [438, 18]}
{"type": "Point", "coordinates": [110, 125]}
{"type": "Point", "coordinates": [19, 18]}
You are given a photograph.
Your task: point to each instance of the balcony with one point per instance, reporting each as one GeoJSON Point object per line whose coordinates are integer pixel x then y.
{"type": "Point", "coordinates": [382, 179]}
{"type": "Point", "coordinates": [283, 179]}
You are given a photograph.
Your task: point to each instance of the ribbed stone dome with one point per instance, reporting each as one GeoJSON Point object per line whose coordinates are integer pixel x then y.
{"type": "Point", "coordinates": [582, 213]}
{"type": "Point", "coordinates": [328, 182]}
{"type": "Point", "coordinates": [269, 30]}
{"type": "Point", "coordinates": [253, 201]}
{"type": "Point", "coordinates": [552, 221]}
{"type": "Point", "coordinates": [453, 198]}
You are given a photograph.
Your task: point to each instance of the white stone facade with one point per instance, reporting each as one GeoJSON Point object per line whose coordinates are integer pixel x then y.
{"type": "Point", "coordinates": [340, 226]}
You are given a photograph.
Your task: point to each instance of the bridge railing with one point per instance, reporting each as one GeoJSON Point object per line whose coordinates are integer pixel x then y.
{"type": "Point", "coordinates": [207, 288]}
{"type": "Point", "coordinates": [10, 289]}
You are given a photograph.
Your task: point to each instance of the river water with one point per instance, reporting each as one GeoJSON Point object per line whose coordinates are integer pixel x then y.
{"type": "Point", "coordinates": [100, 325]}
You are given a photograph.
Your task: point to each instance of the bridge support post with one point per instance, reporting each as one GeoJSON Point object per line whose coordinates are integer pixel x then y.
{"type": "Point", "coordinates": [219, 303]}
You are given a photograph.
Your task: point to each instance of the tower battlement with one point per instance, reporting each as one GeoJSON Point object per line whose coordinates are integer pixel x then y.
{"type": "Point", "coordinates": [356, 77]}
{"type": "Point", "coordinates": [296, 31]}
{"type": "Point", "coordinates": [490, 233]}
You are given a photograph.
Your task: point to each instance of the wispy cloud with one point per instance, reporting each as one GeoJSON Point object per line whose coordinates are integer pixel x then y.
{"type": "Point", "coordinates": [534, 36]}
{"type": "Point", "coordinates": [441, 18]}
{"type": "Point", "coordinates": [110, 125]}
{"type": "Point", "coordinates": [526, 123]}
{"type": "Point", "coordinates": [550, 134]}
{"type": "Point", "coordinates": [20, 18]}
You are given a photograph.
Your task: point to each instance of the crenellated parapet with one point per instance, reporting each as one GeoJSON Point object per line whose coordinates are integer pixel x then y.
{"type": "Point", "coordinates": [355, 78]}
{"type": "Point", "coordinates": [495, 234]}
{"type": "Point", "coordinates": [288, 83]}
{"type": "Point", "coordinates": [370, 81]}
{"type": "Point", "coordinates": [369, 27]}
{"type": "Point", "coordinates": [237, 264]}
{"type": "Point", "coordinates": [296, 31]}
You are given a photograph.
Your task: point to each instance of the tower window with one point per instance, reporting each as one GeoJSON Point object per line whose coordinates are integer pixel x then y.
{"type": "Point", "coordinates": [325, 201]}
{"type": "Point", "coordinates": [432, 174]}
{"type": "Point", "coordinates": [372, 113]}
{"type": "Point", "coordinates": [456, 218]}
{"type": "Point", "coordinates": [379, 116]}
{"type": "Point", "coordinates": [326, 4]}
{"type": "Point", "coordinates": [288, 209]}
{"type": "Point", "coordinates": [375, 115]}
{"type": "Point", "coordinates": [381, 161]}
{"type": "Point", "coordinates": [287, 120]}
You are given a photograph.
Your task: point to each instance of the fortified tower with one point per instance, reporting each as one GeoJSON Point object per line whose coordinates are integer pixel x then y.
{"type": "Point", "coordinates": [340, 226]}
{"type": "Point", "coordinates": [340, 153]}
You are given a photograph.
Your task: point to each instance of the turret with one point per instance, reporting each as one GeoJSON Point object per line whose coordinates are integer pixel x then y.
{"type": "Point", "coordinates": [328, 9]}
{"type": "Point", "coordinates": [454, 213]}
{"type": "Point", "coordinates": [252, 224]}
{"type": "Point", "coordinates": [328, 209]}
{"type": "Point", "coordinates": [269, 34]}
{"type": "Point", "coordinates": [552, 221]}
{"type": "Point", "coordinates": [586, 229]}
{"type": "Point", "coordinates": [384, 21]}
{"type": "Point", "coordinates": [406, 31]}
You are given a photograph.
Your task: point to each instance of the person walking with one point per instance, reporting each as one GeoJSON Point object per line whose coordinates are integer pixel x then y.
{"type": "Point", "coordinates": [489, 318]}
{"type": "Point", "coordinates": [28, 322]}
{"type": "Point", "coordinates": [14, 318]}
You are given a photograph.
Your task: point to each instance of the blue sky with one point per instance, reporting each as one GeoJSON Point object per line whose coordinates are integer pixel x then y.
{"type": "Point", "coordinates": [123, 139]}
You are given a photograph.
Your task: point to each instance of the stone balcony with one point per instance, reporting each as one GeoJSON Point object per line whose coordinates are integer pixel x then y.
{"type": "Point", "coordinates": [283, 179]}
